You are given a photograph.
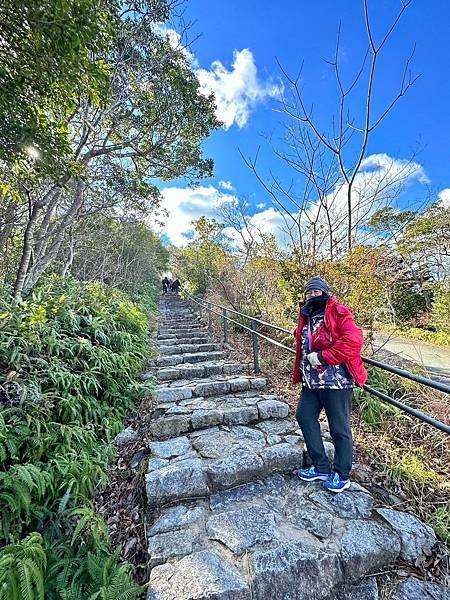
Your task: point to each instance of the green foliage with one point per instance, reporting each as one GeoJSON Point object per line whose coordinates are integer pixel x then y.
{"type": "Point", "coordinates": [122, 253]}
{"type": "Point", "coordinates": [90, 575]}
{"type": "Point", "coordinates": [409, 466]}
{"type": "Point", "coordinates": [441, 309]}
{"type": "Point", "coordinates": [53, 56]}
{"type": "Point", "coordinates": [407, 303]}
{"type": "Point", "coordinates": [22, 569]}
{"type": "Point", "coordinates": [202, 261]}
{"type": "Point", "coordinates": [440, 521]}
{"type": "Point", "coordinates": [438, 338]}
{"type": "Point", "coordinates": [375, 412]}
{"type": "Point", "coordinates": [70, 355]}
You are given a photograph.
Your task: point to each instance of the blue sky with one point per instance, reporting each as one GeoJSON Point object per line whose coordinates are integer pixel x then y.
{"type": "Point", "coordinates": [236, 58]}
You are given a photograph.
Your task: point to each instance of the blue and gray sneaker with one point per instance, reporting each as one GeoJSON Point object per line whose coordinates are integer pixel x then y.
{"type": "Point", "coordinates": [335, 483]}
{"type": "Point", "coordinates": [312, 475]}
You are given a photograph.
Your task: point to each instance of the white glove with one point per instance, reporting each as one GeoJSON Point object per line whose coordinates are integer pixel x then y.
{"type": "Point", "coordinates": [314, 359]}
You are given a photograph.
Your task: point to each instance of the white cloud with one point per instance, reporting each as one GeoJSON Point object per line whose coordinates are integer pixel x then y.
{"type": "Point", "coordinates": [237, 91]}
{"type": "Point", "coordinates": [185, 205]}
{"type": "Point", "coordinates": [444, 197]}
{"type": "Point", "coordinates": [226, 185]}
{"type": "Point", "coordinates": [380, 181]}
{"type": "Point", "coordinates": [383, 163]}
{"type": "Point", "coordinates": [174, 39]}
{"type": "Point", "coordinates": [269, 221]}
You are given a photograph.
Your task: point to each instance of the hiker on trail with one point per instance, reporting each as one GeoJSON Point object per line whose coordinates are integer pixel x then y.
{"type": "Point", "coordinates": [165, 285]}
{"type": "Point", "coordinates": [176, 285]}
{"type": "Point", "coordinates": [328, 363]}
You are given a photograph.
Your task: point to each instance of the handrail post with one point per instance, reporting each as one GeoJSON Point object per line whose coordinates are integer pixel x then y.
{"type": "Point", "coordinates": [255, 347]}
{"type": "Point", "coordinates": [225, 326]}
{"type": "Point", "coordinates": [209, 317]}
{"type": "Point", "coordinates": [200, 311]}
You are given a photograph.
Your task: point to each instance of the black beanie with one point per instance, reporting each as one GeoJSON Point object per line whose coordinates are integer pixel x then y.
{"type": "Point", "coordinates": [317, 283]}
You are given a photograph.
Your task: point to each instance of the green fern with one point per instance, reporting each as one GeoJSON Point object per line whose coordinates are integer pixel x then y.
{"type": "Point", "coordinates": [21, 487]}
{"type": "Point", "coordinates": [22, 569]}
{"type": "Point", "coordinates": [111, 580]}
{"type": "Point", "coordinates": [77, 349]}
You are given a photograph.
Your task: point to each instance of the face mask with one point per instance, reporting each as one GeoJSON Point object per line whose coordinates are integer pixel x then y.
{"type": "Point", "coordinates": [318, 299]}
{"type": "Point", "coordinates": [317, 302]}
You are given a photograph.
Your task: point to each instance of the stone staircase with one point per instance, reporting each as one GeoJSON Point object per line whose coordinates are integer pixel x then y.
{"type": "Point", "coordinates": [228, 521]}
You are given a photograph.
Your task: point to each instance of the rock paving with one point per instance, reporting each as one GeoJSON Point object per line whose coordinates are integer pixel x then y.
{"type": "Point", "coordinates": [227, 519]}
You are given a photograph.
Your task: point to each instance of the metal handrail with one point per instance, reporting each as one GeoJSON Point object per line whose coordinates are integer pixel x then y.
{"type": "Point", "coordinates": [384, 397]}
{"type": "Point", "coordinates": [261, 335]}
{"type": "Point", "coordinates": [437, 385]}
{"type": "Point", "coordinates": [442, 387]}
{"type": "Point", "coordinates": [408, 409]}
{"type": "Point", "coordinates": [236, 312]}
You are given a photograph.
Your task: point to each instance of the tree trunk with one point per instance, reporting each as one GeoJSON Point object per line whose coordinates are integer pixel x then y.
{"type": "Point", "coordinates": [42, 264]}
{"type": "Point", "coordinates": [26, 252]}
{"type": "Point", "coordinates": [7, 226]}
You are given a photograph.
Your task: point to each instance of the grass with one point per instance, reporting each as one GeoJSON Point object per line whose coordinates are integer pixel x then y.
{"type": "Point", "coordinates": [408, 466]}
{"type": "Point", "coordinates": [440, 521]}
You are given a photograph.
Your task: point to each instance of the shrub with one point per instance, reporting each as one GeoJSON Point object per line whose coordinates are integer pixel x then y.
{"type": "Point", "coordinates": [375, 412]}
{"type": "Point", "coordinates": [440, 521]}
{"type": "Point", "coordinates": [69, 357]}
{"type": "Point", "coordinates": [441, 309]}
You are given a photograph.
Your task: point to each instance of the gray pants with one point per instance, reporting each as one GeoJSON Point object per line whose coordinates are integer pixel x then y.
{"type": "Point", "coordinates": [338, 406]}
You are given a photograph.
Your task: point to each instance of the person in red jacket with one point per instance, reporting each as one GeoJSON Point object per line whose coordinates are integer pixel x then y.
{"type": "Point", "coordinates": [328, 364]}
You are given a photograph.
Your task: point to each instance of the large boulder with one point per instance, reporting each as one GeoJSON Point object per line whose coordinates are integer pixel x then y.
{"type": "Point", "coordinates": [367, 547]}
{"type": "Point", "coordinates": [199, 576]}
{"type": "Point", "coordinates": [169, 545]}
{"type": "Point", "coordinates": [126, 436]}
{"type": "Point", "coordinates": [239, 466]}
{"type": "Point", "coordinates": [366, 590]}
{"type": "Point", "coordinates": [241, 529]}
{"type": "Point", "coordinates": [183, 479]}
{"type": "Point", "coordinates": [176, 517]}
{"type": "Point", "coordinates": [414, 589]}
{"type": "Point", "coordinates": [282, 457]}
{"type": "Point", "coordinates": [294, 571]}
{"type": "Point", "coordinates": [351, 505]}
{"type": "Point", "coordinates": [416, 538]}
{"type": "Point", "coordinates": [170, 448]}
{"type": "Point", "coordinates": [167, 427]}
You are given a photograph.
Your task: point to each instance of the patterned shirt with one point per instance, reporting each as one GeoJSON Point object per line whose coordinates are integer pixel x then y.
{"type": "Point", "coordinates": [332, 377]}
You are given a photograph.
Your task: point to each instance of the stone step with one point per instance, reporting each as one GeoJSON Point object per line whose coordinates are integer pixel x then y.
{"type": "Point", "coordinates": [218, 458]}
{"type": "Point", "coordinates": [208, 386]}
{"type": "Point", "coordinates": [172, 320]}
{"type": "Point", "coordinates": [228, 521]}
{"type": "Point", "coordinates": [195, 340]}
{"type": "Point", "coordinates": [179, 359]}
{"type": "Point", "coordinates": [189, 349]}
{"type": "Point", "coordinates": [203, 367]}
{"type": "Point", "coordinates": [172, 326]}
{"type": "Point", "coordinates": [177, 318]}
{"type": "Point", "coordinates": [188, 329]}
{"type": "Point", "coordinates": [274, 539]}
{"type": "Point", "coordinates": [183, 334]}
{"type": "Point", "coordinates": [171, 419]}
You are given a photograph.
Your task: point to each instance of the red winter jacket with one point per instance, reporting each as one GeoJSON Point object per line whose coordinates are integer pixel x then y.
{"type": "Point", "coordinates": [339, 341]}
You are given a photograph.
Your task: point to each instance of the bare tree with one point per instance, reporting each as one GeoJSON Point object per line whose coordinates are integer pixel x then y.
{"type": "Point", "coordinates": [330, 162]}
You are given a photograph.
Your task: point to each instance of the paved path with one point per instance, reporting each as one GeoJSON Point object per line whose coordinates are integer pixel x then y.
{"type": "Point", "coordinates": [434, 359]}
{"type": "Point", "coordinates": [227, 520]}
